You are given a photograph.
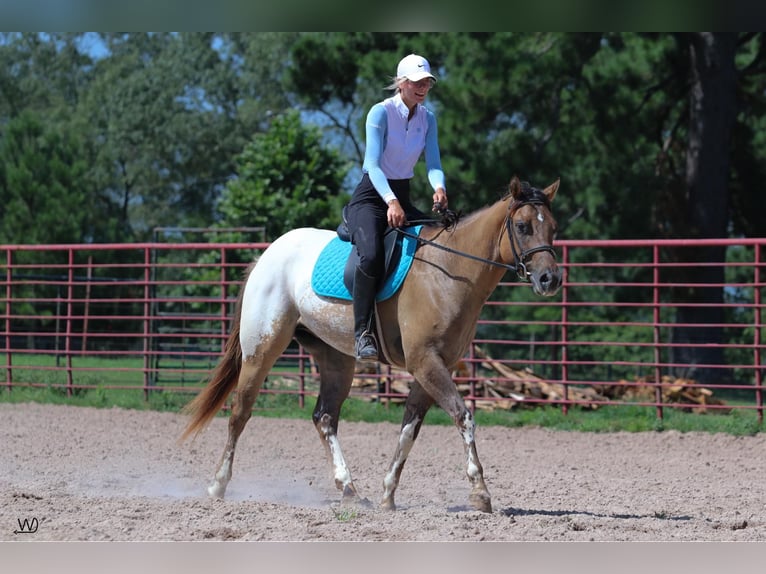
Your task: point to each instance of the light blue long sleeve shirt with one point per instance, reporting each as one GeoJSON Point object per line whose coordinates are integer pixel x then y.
{"type": "Point", "coordinates": [394, 145]}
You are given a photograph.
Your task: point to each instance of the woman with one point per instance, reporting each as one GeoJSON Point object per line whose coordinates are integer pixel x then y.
{"type": "Point", "coordinates": [398, 130]}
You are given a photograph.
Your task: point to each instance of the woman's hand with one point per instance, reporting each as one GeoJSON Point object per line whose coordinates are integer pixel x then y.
{"type": "Point", "coordinates": [440, 200]}
{"type": "Point", "coordinates": [395, 215]}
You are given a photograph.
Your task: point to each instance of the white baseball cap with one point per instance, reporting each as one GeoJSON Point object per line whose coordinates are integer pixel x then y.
{"type": "Point", "coordinates": [414, 68]}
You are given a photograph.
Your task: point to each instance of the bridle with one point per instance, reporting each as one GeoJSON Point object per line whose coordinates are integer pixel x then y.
{"type": "Point", "coordinates": [520, 258]}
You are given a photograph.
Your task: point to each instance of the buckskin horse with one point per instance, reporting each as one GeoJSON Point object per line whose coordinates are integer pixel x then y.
{"type": "Point", "coordinates": [425, 327]}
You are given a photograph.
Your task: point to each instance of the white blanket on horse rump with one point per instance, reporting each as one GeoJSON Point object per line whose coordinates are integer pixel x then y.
{"type": "Point", "coordinates": [327, 276]}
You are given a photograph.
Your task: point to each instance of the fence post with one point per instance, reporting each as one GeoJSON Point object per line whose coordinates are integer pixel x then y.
{"type": "Point", "coordinates": [147, 326]}
{"type": "Point", "coordinates": [8, 293]}
{"type": "Point", "coordinates": [757, 334]}
{"type": "Point", "coordinates": [224, 295]}
{"type": "Point", "coordinates": [68, 335]}
{"type": "Point", "coordinates": [302, 376]}
{"type": "Point", "coordinates": [656, 322]}
{"type": "Point", "coordinates": [86, 303]}
{"type": "Point", "coordinates": [472, 382]}
{"type": "Point", "coordinates": [564, 334]}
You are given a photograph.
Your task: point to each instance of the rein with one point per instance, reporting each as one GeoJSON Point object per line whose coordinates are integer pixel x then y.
{"type": "Point", "coordinates": [420, 240]}
{"type": "Point", "coordinates": [520, 259]}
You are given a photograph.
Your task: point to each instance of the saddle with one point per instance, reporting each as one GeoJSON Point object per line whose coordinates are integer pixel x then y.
{"type": "Point", "coordinates": [333, 273]}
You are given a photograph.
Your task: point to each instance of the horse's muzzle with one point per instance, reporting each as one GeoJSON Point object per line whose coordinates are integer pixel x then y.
{"type": "Point", "coordinates": [546, 282]}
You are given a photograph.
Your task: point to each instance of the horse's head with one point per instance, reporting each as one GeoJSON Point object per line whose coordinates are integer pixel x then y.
{"type": "Point", "coordinates": [531, 229]}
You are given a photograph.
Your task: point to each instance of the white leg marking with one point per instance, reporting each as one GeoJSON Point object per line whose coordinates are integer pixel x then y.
{"type": "Point", "coordinates": [406, 440]}
{"type": "Point", "coordinates": [469, 426]}
{"type": "Point", "coordinates": [222, 477]}
{"type": "Point", "coordinates": [342, 473]}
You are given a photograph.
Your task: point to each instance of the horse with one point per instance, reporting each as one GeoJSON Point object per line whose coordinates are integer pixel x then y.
{"type": "Point", "coordinates": [426, 328]}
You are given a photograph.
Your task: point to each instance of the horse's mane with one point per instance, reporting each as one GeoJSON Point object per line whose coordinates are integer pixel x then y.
{"type": "Point", "coordinates": [529, 194]}
{"type": "Point", "coordinates": [465, 219]}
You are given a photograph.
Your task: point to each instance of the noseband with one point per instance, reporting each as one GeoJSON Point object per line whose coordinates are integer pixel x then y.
{"type": "Point", "coordinates": [521, 256]}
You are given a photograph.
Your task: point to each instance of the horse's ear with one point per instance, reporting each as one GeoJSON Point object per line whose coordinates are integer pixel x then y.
{"type": "Point", "coordinates": [515, 187]}
{"type": "Point", "coordinates": [550, 191]}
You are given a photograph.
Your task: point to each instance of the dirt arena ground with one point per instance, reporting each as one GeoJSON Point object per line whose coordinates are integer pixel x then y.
{"type": "Point", "coordinates": [72, 474]}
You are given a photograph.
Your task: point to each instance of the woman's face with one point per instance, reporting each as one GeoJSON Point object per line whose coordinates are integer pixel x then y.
{"type": "Point", "coordinates": [415, 92]}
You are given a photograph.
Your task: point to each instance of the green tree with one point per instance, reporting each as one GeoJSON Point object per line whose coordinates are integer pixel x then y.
{"type": "Point", "coordinates": [171, 111]}
{"type": "Point", "coordinates": [642, 129]}
{"type": "Point", "coordinates": [160, 116]}
{"type": "Point", "coordinates": [159, 153]}
{"type": "Point", "coordinates": [41, 185]}
{"type": "Point", "coordinates": [286, 178]}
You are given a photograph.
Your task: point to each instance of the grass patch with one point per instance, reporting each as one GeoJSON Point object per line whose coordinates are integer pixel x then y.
{"type": "Point", "coordinates": [46, 381]}
{"type": "Point", "coordinates": [98, 397]}
{"type": "Point", "coordinates": [616, 418]}
{"type": "Point", "coordinates": [620, 417]}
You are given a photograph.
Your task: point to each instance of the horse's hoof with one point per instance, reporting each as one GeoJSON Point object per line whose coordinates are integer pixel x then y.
{"type": "Point", "coordinates": [387, 504]}
{"type": "Point", "coordinates": [351, 498]}
{"type": "Point", "coordinates": [481, 502]}
{"type": "Point", "coordinates": [215, 490]}
{"type": "Point", "coordinates": [348, 491]}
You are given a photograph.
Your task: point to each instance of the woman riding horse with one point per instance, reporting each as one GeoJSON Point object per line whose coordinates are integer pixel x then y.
{"type": "Point", "coordinates": [398, 130]}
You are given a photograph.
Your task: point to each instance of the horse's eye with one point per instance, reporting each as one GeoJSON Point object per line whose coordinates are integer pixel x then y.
{"type": "Point", "coordinates": [523, 228]}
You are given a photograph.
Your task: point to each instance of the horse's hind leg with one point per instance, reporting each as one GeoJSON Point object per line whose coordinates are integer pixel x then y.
{"type": "Point", "coordinates": [415, 409]}
{"type": "Point", "coordinates": [248, 386]}
{"type": "Point", "coordinates": [336, 373]}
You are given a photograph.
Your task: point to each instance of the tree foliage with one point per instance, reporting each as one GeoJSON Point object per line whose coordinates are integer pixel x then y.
{"type": "Point", "coordinates": [161, 117]}
{"type": "Point", "coordinates": [641, 128]}
{"type": "Point", "coordinates": [41, 187]}
{"type": "Point", "coordinates": [652, 134]}
{"type": "Point", "coordinates": [285, 179]}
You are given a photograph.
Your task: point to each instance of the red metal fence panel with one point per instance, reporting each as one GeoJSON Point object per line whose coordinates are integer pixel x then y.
{"type": "Point", "coordinates": [658, 322]}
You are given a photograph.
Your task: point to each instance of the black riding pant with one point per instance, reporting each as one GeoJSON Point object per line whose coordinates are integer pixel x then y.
{"type": "Point", "coordinates": [367, 221]}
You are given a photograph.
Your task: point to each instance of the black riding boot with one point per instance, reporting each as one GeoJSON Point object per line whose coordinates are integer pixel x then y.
{"type": "Point", "coordinates": [365, 288]}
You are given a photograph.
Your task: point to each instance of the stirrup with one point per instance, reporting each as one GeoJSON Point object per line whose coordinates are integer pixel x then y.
{"type": "Point", "coordinates": [366, 347]}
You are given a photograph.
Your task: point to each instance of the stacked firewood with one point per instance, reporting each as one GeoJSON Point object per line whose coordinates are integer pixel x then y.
{"type": "Point", "coordinates": [517, 387]}
{"type": "Point", "coordinates": [513, 388]}
{"type": "Point", "coordinates": [510, 388]}
{"type": "Point", "coordinates": [695, 398]}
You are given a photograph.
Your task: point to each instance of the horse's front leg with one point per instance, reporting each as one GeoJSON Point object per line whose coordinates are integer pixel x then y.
{"type": "Point", "coordinates": [436, 380]}
{"type": "Point", "coordinates": [479, 497]}
{"type": "Point", "coordinates": [415, 409]}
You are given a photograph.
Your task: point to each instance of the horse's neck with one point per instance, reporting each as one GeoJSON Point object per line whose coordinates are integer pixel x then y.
{"type": "Point", "coordinates": [480, 235]}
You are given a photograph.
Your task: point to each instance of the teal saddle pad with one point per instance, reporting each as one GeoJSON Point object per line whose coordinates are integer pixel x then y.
{"type": "Point", "coordinates": [327, 277]}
